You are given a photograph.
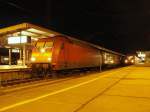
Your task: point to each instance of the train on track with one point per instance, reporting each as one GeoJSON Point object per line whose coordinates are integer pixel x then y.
{"type": "Point", "coordinates": [67, 53]}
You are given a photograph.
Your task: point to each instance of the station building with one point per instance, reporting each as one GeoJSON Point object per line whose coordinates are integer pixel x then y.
{"type": "Point", "coordinates": [17, 41]}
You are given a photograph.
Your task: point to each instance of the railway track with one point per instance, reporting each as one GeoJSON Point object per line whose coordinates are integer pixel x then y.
{"type": "Point", "coordinates": [27, 77]}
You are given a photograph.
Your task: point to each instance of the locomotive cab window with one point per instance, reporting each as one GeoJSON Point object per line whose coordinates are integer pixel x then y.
{"type": "Point", "coordinates": [49, 44]}
{"type": "Point", "coordinates": [40, 44]}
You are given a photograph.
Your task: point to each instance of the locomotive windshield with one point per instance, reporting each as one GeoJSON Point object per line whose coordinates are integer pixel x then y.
{"type": "Point", "coordinates": [44, 44]}
{"type": "Point", "coordinates": [40, 44]}
{"type": "Point", "coordinates": [48, 44]}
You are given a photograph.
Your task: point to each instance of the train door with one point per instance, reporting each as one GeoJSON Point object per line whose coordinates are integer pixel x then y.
{"type": "Point", "coordinates": [100, 60]}
{"type": "Point", "coordinates": [62, 60]}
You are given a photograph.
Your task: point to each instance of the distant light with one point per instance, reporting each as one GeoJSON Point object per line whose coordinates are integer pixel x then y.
{"type": "Point", "coordinates": [7, 47]}
{"type": "Point", "coordinates": [132, 61]}
{"type": "Point", "coordinates": [17, 39]}
{"type": "Point", "coordinates": [141, 55]}
{"type": "Point", "coordinates": [126, 61]}
{"type": "Point", "coordinates": [129, 57]}
{"type": "Point", "coordinates": [6, 59]}
{"type": "Point", "coordinates": [15, 50]}
{"type": "Point", "coordinates": [19, 62]}
{"type": "Point", "coordinates": [111, 61]}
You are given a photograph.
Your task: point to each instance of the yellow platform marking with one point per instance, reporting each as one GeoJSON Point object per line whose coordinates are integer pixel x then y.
{"type": "Point", "coordinates": [46, 95]}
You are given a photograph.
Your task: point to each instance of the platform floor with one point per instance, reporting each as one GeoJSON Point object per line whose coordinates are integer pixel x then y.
{"type": "Point", "coordinates": [125, 89]}
{"type": "Point", "coordinates": [11, 67]}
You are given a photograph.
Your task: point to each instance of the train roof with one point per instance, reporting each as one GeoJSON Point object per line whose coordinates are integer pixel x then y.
{"type": "Point", "coordinates": [38, 32]}
{"type": "Point", "coordinates": [95, 46]}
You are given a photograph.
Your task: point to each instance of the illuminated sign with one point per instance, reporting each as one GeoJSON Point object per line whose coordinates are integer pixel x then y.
{"type": "Point", "coordinates": [15, 50]}
{"type": "Point", "coordinates": [17, 40]}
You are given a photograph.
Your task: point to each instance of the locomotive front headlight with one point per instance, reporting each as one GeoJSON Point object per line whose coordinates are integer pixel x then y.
{"type": "Point", "coordinates": [42, 50]}
{"type": "Point", "coordinates": [49, 59]}
{"type": "Point", "coordinates": [33, 59]}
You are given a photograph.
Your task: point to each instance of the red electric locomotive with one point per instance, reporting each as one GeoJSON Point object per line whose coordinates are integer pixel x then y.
{"type": "Point", "coordinates": [62, 53]}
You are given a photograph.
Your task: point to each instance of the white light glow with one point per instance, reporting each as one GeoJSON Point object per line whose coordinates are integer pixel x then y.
{"type": "Point", "coordinates": [35, 39]}
{"type": "Point", "coordinates": [19, 62]}
{"type": "Point", "coordinates": [132, 61]}
{"type": "Point", "coordinates": [111, 61]}
{"type": "Point", "coordinates": [36, 31]}
{"type": "Point", "coordinates": [49, 59]}
{"type": "Point", "coordinates": [141, 54]}
{"type": "Point", "coordinates": [126, 61]}
{"type": "Point", "coordinates": [28, 33]}
{"type": "Point", "coordinates": [42, 50]}
{"type": "Point", "coordinates": [15, 50]}
{"type": "Point", "coordinates": [17, 40]}
{"type": "Point", "coordinates": [6, 59]}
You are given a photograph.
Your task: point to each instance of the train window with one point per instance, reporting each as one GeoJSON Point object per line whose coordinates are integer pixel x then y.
{"type": "Point", "coordinates": [40, 44]}
{"type": "Point", "coordinates": [48, 44]}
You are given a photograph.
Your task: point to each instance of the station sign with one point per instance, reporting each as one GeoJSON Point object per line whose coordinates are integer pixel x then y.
{"type": "Point", "coordinates": [19, 40]}
{"type": "Point", "coordinates": [15, 50]}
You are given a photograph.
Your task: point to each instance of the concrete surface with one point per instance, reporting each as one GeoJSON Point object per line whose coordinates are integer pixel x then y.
{"type": "Point", "coordinates": [120, 90]}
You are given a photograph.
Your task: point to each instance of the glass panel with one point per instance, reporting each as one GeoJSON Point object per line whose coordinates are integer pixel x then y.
{"type": "Point", "coordinates": [40, 44]}
{"type": "Point", "coordinates": [48, 44]}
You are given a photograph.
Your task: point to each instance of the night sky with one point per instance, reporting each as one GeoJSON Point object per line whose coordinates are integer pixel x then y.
{"type": "Point", "coordinates": [120, 25]}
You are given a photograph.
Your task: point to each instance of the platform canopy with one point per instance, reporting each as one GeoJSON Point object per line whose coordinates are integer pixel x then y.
{"type": "Point", "coordinates": [37, 32]}
{"type": "Point", "coordinates": [26, 29]}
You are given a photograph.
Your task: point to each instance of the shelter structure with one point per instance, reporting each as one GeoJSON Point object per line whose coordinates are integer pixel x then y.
{"type": "Point", "coordinates": [20, 39]}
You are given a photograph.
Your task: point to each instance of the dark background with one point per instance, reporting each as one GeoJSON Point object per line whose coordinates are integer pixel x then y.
{"type": "Point", "coordinates": [120, 25]}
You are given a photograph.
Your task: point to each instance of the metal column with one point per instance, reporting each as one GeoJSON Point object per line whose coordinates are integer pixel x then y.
{"type": "Point", "coordinates": [10, 56]}
{"type": "Point", "coordinates": [100, 63]}
{"type": "Point", "coordinates": [20, 52]}
{"type": "Point", "coordinates": [24, 55]}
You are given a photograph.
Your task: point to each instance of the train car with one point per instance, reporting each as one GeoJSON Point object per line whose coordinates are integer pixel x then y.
{"type": "Point", "coordinates": [63, 53]}
{"type": "Point", "coordinates": [111, 60]}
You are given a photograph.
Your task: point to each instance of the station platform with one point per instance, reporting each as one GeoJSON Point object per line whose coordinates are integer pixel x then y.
{"type": "Point", "coordinates": [143, 64]}
{"type": "Point", "coordinates": [124, 89]}
{"type": "Point", "coordinates": [6, 68]}
{"type": "Point", "coordinates": [10, 73]}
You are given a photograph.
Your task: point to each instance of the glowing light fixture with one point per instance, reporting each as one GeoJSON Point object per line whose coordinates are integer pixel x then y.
{"type": "Point", "coordinates": [15, 50]}
{"type": "Point", "coordinates": [132, 61]}
{"type": "Point", "coordinates": [141, 54]}
{"type": "Point", "coordinates": [17, 39]}
{"type": "Point", "coordinates": [19, 62]}
{"type": "Point", "coordinates": [35, 39]}
{"type": "Point", "coordinates": [126, 61]}
{"type": "Point", "coordinates": [111, 61]}
{"type": "Point", "coordinates": [6, 59]}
